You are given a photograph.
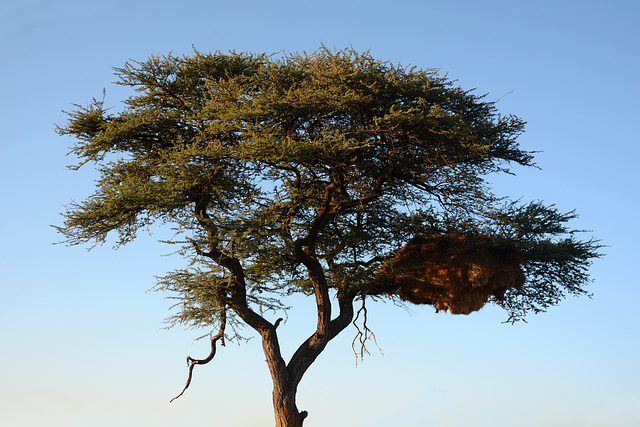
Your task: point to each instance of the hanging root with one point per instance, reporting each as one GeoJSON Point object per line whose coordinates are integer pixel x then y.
{"type": "Point", "coordinates": [364, 334]}
{"type": "Point", "coordinates": [193, 362]}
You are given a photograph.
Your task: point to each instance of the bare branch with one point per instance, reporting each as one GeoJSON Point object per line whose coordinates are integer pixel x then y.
{"type": "Point", "coordinates": [275, 325]}
{"type": "Point", "coordinates": [193, 362]}
{"type": "Point", "coordinates": [363, 334]}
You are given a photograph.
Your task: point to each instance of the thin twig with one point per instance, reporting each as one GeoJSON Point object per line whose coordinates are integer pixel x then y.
{"type": "Point", "coordinates": [363, 334]}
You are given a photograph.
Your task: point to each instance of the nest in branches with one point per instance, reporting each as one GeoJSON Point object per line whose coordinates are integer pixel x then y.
{"type": "Point", "coordinates": [458, 273]}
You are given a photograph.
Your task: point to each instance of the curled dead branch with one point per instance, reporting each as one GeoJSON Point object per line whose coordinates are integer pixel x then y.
{"type": "Point", "coordinates": [193, 362]}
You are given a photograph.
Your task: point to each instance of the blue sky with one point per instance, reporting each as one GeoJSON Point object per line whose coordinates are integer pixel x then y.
{"type": "Point", "coordinates": [82, 340]}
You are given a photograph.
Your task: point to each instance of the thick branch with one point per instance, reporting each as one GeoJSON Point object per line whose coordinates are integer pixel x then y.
{"type": "Point", "coordinates": [204, 220]}
{"type": "Point", "coordinates": [374, 194]}
{"type": "Point", "coordinates": [313, 346]}
{"type": "Point", "coordinates": [326, 328]}
{"type": "Point", "coordinates": [238, 300]}
{"type": "Point", "coordinates": [322, 218]}
{"type": "Point", "coordinates": [330, 208]}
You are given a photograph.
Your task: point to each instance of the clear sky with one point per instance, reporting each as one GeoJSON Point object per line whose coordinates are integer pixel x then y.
{"type": "Point", "coordinates": [81, 341]}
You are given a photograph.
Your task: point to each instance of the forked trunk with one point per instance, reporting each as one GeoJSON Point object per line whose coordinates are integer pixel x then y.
{"type": "Point", "coordinates": [286, 377]}
{"type": "Point", "coordinates": [284, 385]}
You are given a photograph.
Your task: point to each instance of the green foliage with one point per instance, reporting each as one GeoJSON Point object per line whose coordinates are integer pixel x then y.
{"type": "Point", "coordinates": [556, 262]}
{"type": "Point", "coordinates": [262, 159]}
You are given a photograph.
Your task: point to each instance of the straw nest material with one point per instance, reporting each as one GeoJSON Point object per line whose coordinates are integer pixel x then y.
{"type": "Point", "coordinates": [456, 273]}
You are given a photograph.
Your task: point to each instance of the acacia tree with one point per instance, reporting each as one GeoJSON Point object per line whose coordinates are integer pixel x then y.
{"type": "Point", "coordinates": [310, 173]}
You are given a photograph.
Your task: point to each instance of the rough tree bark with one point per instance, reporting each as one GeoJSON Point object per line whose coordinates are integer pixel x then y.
{"type": "Point", "coordinates": [285, 377]}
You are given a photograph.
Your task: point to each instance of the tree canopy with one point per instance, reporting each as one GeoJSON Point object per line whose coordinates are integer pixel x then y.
{"type": "Point", "coordinates": [310, 173]}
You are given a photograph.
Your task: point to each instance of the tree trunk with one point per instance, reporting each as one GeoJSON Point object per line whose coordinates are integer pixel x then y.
{"type": "Point", "coordinates": [285, 385]}
{"type": "Point", "coordinates": [285, 409]}
{"type": "Point", "coordinates": [287, 377]}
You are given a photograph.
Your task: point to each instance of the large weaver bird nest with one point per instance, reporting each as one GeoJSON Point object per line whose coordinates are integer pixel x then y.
{"type": "Point", "coordinates": [458, 273]}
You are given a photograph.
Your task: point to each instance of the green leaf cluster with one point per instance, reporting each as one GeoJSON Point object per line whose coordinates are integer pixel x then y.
{"type": "Point", "coordinates": [257, 159]}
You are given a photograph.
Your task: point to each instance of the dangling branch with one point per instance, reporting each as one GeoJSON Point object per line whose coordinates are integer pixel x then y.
{"type": "Point", "coordinates": [193, 362]}
{"type": "Point", "coordinates": [363, 334]}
